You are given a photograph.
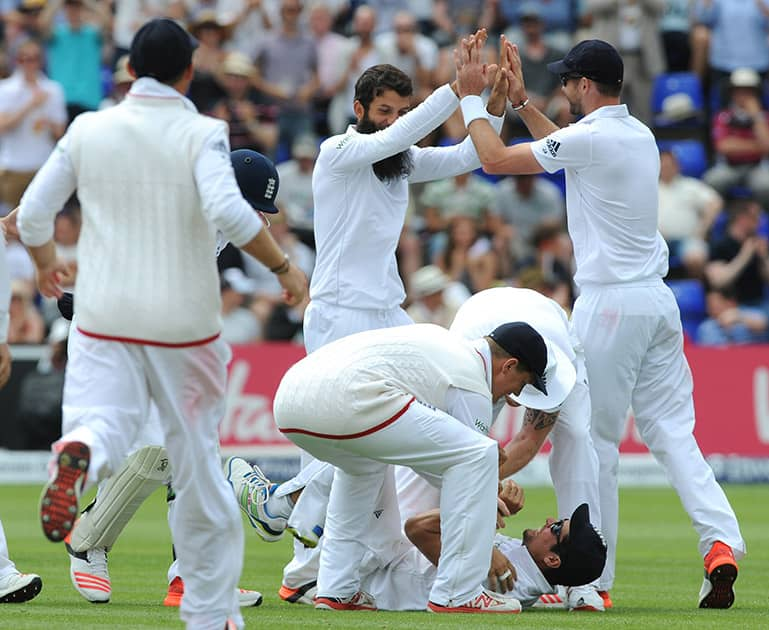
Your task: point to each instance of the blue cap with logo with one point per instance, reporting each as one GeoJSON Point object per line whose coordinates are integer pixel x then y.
{"type": "Point", "coordinates": [257, 178]}
{"type": "Point", "coordinates": [593, 59]}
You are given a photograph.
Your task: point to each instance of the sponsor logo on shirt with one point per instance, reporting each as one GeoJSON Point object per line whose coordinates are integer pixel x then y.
{"type": "Point", "coordinates": [378, 513]}
{"type": "Point", "coordinates": [552, 147]}
{"type": "Point", "coordinates": [483, 428]}
{"type": "Point", "coordinates": [343, 141]}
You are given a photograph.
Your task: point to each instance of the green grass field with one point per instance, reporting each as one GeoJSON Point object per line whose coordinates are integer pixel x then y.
{"type": "Point", "coordinates": [658, 575]}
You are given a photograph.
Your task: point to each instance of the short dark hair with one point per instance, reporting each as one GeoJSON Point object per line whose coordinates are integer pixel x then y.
{"type": "Point", "coordinates": [162, 49]}
{"type": "Point", "coordinates": [606, 89]}
{"type": "Point", "coordinates": [377, 79]}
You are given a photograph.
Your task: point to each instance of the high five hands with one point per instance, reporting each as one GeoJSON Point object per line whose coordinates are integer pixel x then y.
{"type": "Point", "coordinates": [504, 78]}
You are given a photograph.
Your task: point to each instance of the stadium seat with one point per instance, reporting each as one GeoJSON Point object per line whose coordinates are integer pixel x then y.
{"type": "Point", "coordinates": [690, 155]}
{"type": "Point", "coordinates": [670, 83]}
{"type": "Point", "coordinates": [690, 295]}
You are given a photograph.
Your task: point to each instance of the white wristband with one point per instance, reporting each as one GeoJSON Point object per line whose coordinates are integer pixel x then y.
{"type": "Point", "coordinates": [472, 108]}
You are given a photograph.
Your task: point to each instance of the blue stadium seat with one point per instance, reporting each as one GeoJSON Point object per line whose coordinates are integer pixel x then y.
{"type": "Point", "coordinates": [690, 154]}
{"type": "Point", "coordinates": [690, 295]}
{"type": "Point", "coordinates": [675, 83]}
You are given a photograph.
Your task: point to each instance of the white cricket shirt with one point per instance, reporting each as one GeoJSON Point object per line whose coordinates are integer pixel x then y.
{"type": "Point", "coordinates": [358, 218]}
{"type": "Point", "coordinates": [612, 169]}
{"type": "Point", "coordinates": [5, 291]}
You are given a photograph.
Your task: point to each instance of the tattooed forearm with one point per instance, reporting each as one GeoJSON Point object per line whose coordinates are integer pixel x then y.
{"type": "Point", "coordinates": [540, 419]}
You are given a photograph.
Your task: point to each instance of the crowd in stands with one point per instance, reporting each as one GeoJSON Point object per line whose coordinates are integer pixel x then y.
{"type": "Point", "coordinates": [282, 74]}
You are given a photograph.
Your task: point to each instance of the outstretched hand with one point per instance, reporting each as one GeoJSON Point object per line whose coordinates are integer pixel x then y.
{"type": "Point", "coordinates": [471, 71]}
{"type": "Point", "coordinates": [516, 90]}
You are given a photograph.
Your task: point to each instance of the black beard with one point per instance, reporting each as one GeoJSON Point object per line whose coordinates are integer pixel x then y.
{"type": "Point", "coordinates": [391, 168]}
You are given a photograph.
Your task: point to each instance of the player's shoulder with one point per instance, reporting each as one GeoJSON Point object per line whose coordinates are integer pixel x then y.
{"type": "Point", "coordinates": [339, 141]}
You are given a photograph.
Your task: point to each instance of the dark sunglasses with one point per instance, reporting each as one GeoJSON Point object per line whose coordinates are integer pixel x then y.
{"type": "Point", "coordinates": [565, 78]}
{"type": "Point", "coordinates": [556, 529]}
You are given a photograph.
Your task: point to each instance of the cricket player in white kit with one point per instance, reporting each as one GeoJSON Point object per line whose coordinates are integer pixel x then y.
{"type": "Point", "coordinates": [361, 186]}
{"type": "Point", "coordinates": [155, 182]}
{"type": "Point", "coordinates": [626, 317]}
{"type": "Point", "coordinates": [573, 460]}
{"type": "Point", "coordinates": [381, 397]}
{"type": "Point", "coordinates": [14, 586]}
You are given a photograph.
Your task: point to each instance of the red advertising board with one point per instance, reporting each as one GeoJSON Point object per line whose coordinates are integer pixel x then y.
{"type": "Point", "coordinates": [731, 396]}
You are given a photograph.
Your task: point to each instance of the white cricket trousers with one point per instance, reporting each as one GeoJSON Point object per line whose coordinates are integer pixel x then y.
{"type": "Point", "coordinates": [107, 392]}
{"type": "Point", "coordinates": [324, 323]}
{"type": "Point", "coordinates": [439, 447]}
{"type": "Point", "coordinates": [633, 346]}
{"type": "Point", "coordinates": [6, 565]}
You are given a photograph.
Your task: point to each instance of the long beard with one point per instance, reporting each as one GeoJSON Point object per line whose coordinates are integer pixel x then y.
{"type": "Point", "coordinates": [391, 168]}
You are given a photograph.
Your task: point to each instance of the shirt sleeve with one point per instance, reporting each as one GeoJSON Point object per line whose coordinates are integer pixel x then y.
{"type": "Point", "coordinates": [220, 195]}
{"type": "Point", "coordinates": [438, 162]}
{"type": "Point", "coordinates": [570, 147]}
{"type": "Point", "coordinates": [470, 408]}
{"type": "Point", "coordinates": [354, 150]}
{"type": "Point", "coordinates": [53, 184]}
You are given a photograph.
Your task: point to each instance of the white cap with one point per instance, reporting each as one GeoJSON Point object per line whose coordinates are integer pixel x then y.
{"type": "Point", "coordinates": [560, 377]}
{"type": "Point", "coordinates": [745, 77]}
{"type": "Point", "coordinates": [428, 280]}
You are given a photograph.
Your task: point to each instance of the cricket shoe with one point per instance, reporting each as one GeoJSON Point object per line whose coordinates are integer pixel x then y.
{"type": "Point", "coordinates": [253, 490]}
{"type": "Point", "coordinates": [173, 598]}
{"type": "Point", "coordinates": [358, 601]}
{"type": "Point", "coordinates": [89, 574]}
{"type": "Point", "coordinates": [606, 597]}
{"type": "Point", "coordinates": [584, 598]}
{"type": "Point", "coordinates": [59, 503]}
{"type": "Point", "coordinates": [552, 601]}
{"type": "Point", "coordinates": [19, 587]}
{"type": "Point", "coordinates": [720, 573]}
{"type": "Point", "coordinates": [304, 594]}
{"type": "Point", "coordinates": [486, 602]}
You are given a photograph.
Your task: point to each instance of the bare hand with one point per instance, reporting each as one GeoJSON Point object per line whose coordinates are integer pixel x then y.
{"type": "Point", "coordinates": [8, 223]}
{"type": "Point", "coordinates": [516, 90]}
{"type": "Point", "coordinates": [502, 454]}
{"type": "Point", "coordinates": [498, 98]}
{"type": "Point", "coordinates": [294, 284]}
{"type": "Point", "coordinates": [5, 364]}
{"type": "Point", "coordinates": [511, 494]}
{"type": "Point", "coordinates": [471, 77]}
{"type": "Point", "coordinates": [51, 277]}
{"type": "Point", "coordinates": [501, 572]}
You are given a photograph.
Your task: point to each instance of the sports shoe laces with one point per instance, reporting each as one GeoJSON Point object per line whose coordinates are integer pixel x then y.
{"type": "Point", "coordinates": [258, 492]}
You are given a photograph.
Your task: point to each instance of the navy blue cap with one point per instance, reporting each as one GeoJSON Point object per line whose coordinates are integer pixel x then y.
{"type": "Point", "coordinates": [583, 553]}
{"type": "Point", "coordinates": [594, 59]}
{"type": "Point", "coordinates": [258, 179]}
{"type": "Point", "coordinates": [524, 343]}
{"type": "Point", "coordinates": [161, 49]}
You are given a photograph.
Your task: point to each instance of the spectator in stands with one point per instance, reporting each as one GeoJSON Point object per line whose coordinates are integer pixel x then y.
{"type": "Point", "coordinates": [40, 393]}
{"type": "Point", "coordinates": [740, 259]}
{"type": "Point", "coordinates": [729, 35]}
{"type": "Point", "coordinates": [675, 27]}
{"type": "Point", "coordinates": [559, 16]}
{"type": "Point", "coordinates": [468, 256]}
{"type": "Point", "coordinates": [385, 12]}
{"type": "Point", "coordinates": [362, 54]}
{"type": "Point", "coordinates": [66, 230]}
{"type": "Point", "coordinates": [239, 323]}
{"type": "Point", "coordinates": [251, 24]}
{"type": "Point", "coordinates": [331, 48]}
{"type": "Point", "coordinates": [728, 323]}
{"type": "Point", "coordinates": [74, 48]}
{"type": "Point", "coordinates": [211, 33]}
{"type": "Point", "coordinates": [687, 209]}
{"type": "Point", "coordinates": [521, 204]}
{"type": "Point", "coordinates": [26, 324]}
{"type": "Point", "coordinates": [32, 118]}
{"type": "Point", "coordinates": [21, 25]}
{"type": "Point", "coordinates": [632, 27]}
{"type": "Point", "coordinates": [408, 50]}
{"type": "Point", "coordinates": [249, 127]}
{"type": "Point", "coordinates": [452, 19]}
{"type": "Point", "coordinates": [553, 258]}
{"type": "Point", "coordinates": [435, 299]}
{"type": "Point", "coordinates": [295, 193]}
{"type": "Point", "coordinates": [741, 139]}
{"type": "Point", "coordinates": [542, 86]}
{"type": "Point", "coordinates": [467, 194]}
{"type": "Point", "coordinates": [288, 67]}
{"type": "Point", "coordinates": [131, 14]}
{"type": "Point", "coordinates": [121, 83]}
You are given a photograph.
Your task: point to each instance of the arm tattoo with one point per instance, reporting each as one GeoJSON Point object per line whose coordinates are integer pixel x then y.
{"type": "Point", "coordinates": [540, 419]}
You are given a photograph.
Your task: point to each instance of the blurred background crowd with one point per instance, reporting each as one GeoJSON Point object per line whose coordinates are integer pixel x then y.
{"type": "Point", "coordinates": [282, 74]}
